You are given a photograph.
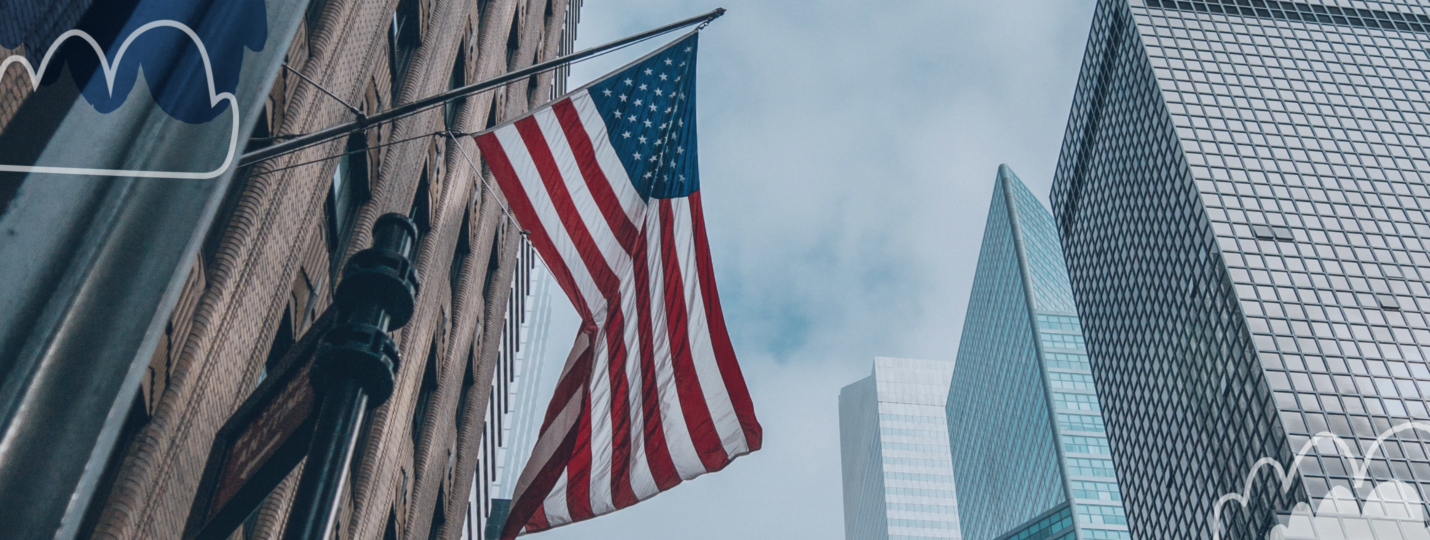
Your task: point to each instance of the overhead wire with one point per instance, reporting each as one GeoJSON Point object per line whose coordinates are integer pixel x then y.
{"type": "Point", "coordinates": [449, 133]}
{"type": "Point", "coordinates": [354, 152]}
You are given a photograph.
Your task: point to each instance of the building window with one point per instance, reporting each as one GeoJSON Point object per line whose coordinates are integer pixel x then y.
{"type": "Point", "coordinates": [464, 248]}
{"type": "Point", "coordinates": [349, 190]}
{"type": "Point", "coordinates": [421, 212]}
{"type": "Point", "coordinates": [439, 514]}
{"type": "Point", "coordinates": [390, 532]}
{"type": "Point", "coordinates": [468, 383]}
{"type": "Point", "coordinates": [491, 123]}
{"type": "Point", "coordinates": [262, 135]}
{"type": "Point", "coordinates": [513, 43]}
{"type": "Point", "coordinates": [282, 342]}
{"type": "Point", "coordinates": [488, 288]}
{"type": "Point", "coordinates": [457, 80]}
{"type": "Point", "coordinates": [404, 35]}
{"type": "Point", "coordinates": [424, 394]}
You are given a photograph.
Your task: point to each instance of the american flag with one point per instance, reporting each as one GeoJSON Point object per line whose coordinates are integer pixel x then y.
{"type": "Point", "coordinates": [607, 184]}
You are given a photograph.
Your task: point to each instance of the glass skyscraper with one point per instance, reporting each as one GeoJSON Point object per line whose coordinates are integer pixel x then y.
{"type": "Point", "coordinates": [893, 439]}
{"type": "Point", "coordinates": [1026, 432]}
{"type": "Point", "coordinates": [1241, 199]}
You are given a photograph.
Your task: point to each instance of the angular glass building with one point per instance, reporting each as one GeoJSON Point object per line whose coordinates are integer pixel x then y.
{"type": "Point", "coordinates": [1026, 433]}
{"type": "Point", "coordinates": [893, 439]}
{"type": "Point", "coordinates": [1240, 198]}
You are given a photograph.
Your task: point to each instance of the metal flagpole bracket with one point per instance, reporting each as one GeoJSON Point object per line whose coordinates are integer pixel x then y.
{"type": "Point", "coordinates": [713, 15]}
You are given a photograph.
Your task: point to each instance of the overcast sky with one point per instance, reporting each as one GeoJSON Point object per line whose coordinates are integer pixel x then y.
{"type": "Point", "coordinates": [848, 152]}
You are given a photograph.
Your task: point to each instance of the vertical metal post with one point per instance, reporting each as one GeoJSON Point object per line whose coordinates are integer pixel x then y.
{"type": "Point", "coordinates": [355, 368]}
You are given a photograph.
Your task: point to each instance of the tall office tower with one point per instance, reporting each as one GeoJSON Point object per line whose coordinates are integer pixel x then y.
{"type": "Point", "coordinates": [517, 398]}
{"type": "Point", "coordinates": [893, 440]}
{"type": "Point", "coordinates": [1026, 434]}
{"type": "Point", "coordinates": [1240, 198]}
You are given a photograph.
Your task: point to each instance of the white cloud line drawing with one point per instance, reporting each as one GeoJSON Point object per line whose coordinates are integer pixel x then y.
{"type": "Point", "coordinates": [109, 72]}
{"type": "Point", "coordinates": [1392, 509]}
{"type": "Point", "coordinates": [1358, 467]}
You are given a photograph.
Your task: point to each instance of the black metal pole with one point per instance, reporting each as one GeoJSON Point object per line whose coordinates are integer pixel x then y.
{"type": "Point", "coordinates": [332, 445]}
{"type": "Point", "coordinates": [409, 109]}
{"type": "Point", "coordinates": [355, 368]}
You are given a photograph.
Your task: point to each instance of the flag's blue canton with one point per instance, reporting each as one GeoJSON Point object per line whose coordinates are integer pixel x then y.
{"type": "Point", "coordinates": [649, 110]}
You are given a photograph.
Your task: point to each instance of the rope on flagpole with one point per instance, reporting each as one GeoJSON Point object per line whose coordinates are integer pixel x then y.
{"type": "Point", "coordinates": [478, 171]}
{"type": "Point", "coordinates": [356, 111]}
{"type": "Point", "coordinates": [344, 154]}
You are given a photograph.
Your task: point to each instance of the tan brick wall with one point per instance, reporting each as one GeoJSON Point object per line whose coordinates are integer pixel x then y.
{"type": "Point", "coordinates": [15, 86]}
{"type": "Point", "coordinates": [272, 254]}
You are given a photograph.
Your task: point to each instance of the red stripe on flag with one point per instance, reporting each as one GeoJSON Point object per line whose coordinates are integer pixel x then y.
{"type": "Point", "coordinates": [621, 493]}
{"type": "Point", "coordinates": [600, 189]}
{"type": "Point", "coordinates": [596, 181]}
{"type": "Point", "coordinates": [521, 206]}
{"type": "Point", "coordinates": [538, 520]}
{"type": "Point", "coordinates": [565, 208]}
{"type": "Point", "coordinates": [662, 467]}
{"type": "Point", "coordinates": [687, 382]}
{"type": "Point", "coordinates": [528, 506]}
{"type": "Point", "coordinates": [578, 470]}
{"type": "Point", "coordinates": [719, 336]}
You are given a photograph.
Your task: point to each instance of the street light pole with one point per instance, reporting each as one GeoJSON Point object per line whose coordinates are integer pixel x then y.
{"type": "Point", "coordinates": [355, 367]}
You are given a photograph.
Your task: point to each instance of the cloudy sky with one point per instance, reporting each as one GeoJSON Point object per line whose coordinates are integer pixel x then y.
{"type": "Point", "coordinates": [848, 152]}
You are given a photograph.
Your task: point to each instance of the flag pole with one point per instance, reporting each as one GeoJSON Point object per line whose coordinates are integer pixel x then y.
{"type": "Point", "coordinates": [409, 109]}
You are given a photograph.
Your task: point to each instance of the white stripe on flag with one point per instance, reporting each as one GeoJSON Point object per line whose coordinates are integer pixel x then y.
{"type": "Point", "coordinates": [526, 171]}
{"type": "Point", "coordinates": [618, 262]}
{"type": "Point", "coordinates": [555, 505]}
{"type": "Point", "coordinates": [672, 416]}
{"type": "Point", "coordinates": [712, 384]}
{"type": "Point", "coordinates": [634, 205]}
{"type": "Point", "coordinates": [642, 481]}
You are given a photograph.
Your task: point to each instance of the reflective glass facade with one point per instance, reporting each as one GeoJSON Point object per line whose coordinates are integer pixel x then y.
{"type": "Point", "coordinates": [1240, 198]}
{"type": "Point", "coordinates": [1025, 426]}
{"type": "Point", "coordinates": [893, 436]}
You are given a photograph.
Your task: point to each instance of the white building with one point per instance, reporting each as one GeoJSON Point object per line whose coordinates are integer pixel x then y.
{"type": "Point", "coordinates": [518, 399]}
{"type": "Point", "coordinates": [893, 436]}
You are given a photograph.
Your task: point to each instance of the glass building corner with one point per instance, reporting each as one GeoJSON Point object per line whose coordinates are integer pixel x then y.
{"type": "Point", "coordinates": [1026, 434]}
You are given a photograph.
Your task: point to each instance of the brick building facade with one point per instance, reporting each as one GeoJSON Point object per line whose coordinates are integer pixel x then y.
{"type": "Point", "coordinates": [267, 266]}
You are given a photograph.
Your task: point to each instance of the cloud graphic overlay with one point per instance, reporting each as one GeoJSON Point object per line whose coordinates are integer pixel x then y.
{"type": "Point", "coordinates": [1393, 510]}
{"type": "Point", "coordinates": [110, 69]}
{"type": "Point", "coordinates": [178, 65]}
